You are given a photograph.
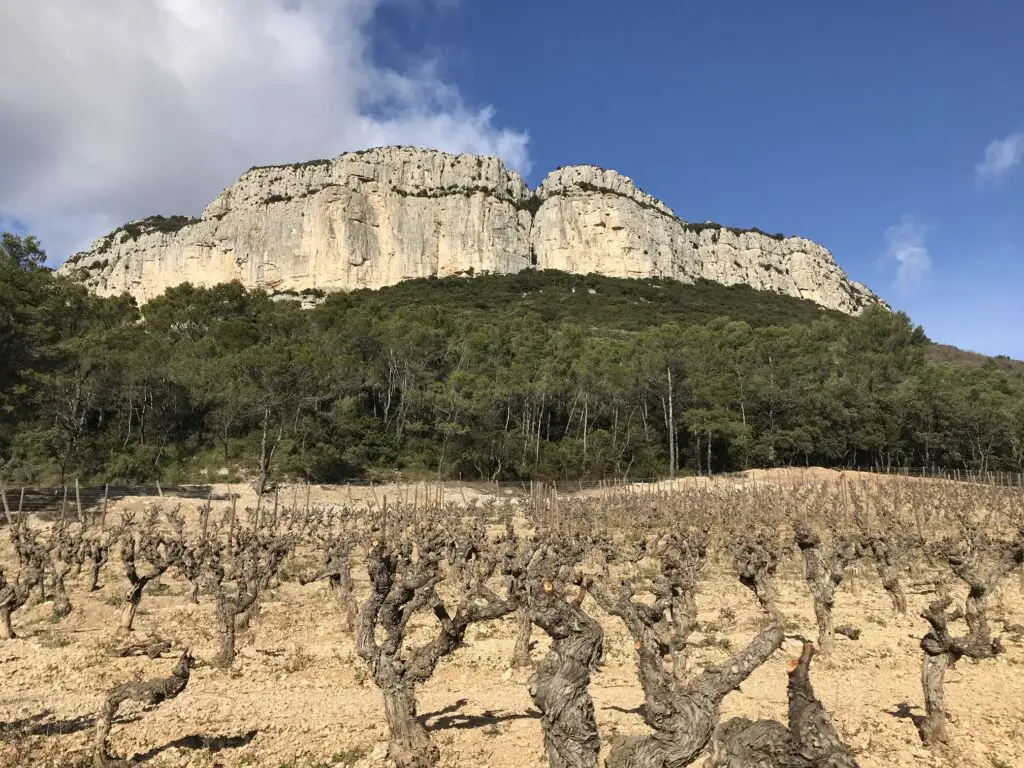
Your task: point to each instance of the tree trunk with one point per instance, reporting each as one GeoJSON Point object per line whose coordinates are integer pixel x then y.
{"type": "Point", "coordinates": [244, 617]}
{"type": "Point", "coordinates": [932, 726]}
{"type": "Point", "coordinates": [672, 447]}
{"type": "Point", "coordinates": [696, 453]}
{"type": "Point", "coordinates": [822, 579]}
{"type": "Point", "coordinates": [683, 717]}
{"type": "Point", "coordinates": [683, 615]}
{"type": "Point", "coordinates": [6, 630]}
{"type": "Point", "coordinates": [814, 736]}
{"type": "Point", "coordinates": [410, 745]}
{"type": "Point", "coordinates": [342, 585]}
{"type": "Point", "coordinates": [150, 692]}
{"type": "Point", "coordinates": [893, 588]}
{"type": "Point", "coordinates": [226, 621]}
{"type": "Point", "coordinates": [521, 652]}
{"type": "Point", "coordinates": [826, 628]}
{"type": "Point", "coordinates": [61, 601]}
{"type": "Point", "coordinates": [889, 571]}
{"type": "Point", "coordinates": [94, 575]}
{"type": "Point", "coordinates": [132, 600]}
{"type": "Point", "coordinates": [128, 616]}
{"type": "Point", "coordinates": [559, 685]}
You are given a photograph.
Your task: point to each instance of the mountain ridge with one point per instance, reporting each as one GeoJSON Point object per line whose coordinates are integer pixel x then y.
{"type": "Point", "coordinates": [377, 217]}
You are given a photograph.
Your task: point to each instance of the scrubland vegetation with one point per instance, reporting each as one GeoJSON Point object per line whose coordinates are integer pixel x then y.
{"type": "Point", "coordinates": [539, 375]}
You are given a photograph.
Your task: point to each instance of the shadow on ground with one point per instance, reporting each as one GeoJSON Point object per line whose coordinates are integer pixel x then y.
{"type": "Point", "coordinates": [42, 725]}
{"type": "Point", "coordinates": [451, 717]}
{"type": "Point", "coordinates": [904, 711]}
{"type": "Point", "coordinates": [196, 742]}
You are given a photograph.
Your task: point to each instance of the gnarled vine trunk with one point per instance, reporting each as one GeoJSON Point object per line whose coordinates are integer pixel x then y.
{"type": "Point", "coordinates": [409, 743]}
{"type": "Point", "coordinates": [889, 572]}
{"type": "Point", "coordinates": [521, 650]}
{"type": "Point", "coordinates": [401, 586]}
{"type": "Point", "coordinates": [822, 575]}
{"type": "Point", "coordinates": [683, 715]}
{"type": "Point", "coordinates": [932, 727]}
{"type": "Point", "coordinates": [151, 693]}
{"type": "Point", "coordinates": [14, 596]}
{"type": "Point", "coordinates": [809, 741]}
{"type": "Point", "coordinates": [814, 736]}
{"type": "Point", "coordinates": [559, 685]}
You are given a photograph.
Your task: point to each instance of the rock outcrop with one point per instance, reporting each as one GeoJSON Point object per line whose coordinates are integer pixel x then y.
{"type": "Point", "coordinates": [374, 218]}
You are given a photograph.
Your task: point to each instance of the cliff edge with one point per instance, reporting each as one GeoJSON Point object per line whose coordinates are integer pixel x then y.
{"type": "Point", "coordinates": [374, 218]}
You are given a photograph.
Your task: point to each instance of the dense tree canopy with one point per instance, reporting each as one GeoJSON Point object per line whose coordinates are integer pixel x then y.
{"type": "Point", "coordinates": [536, 375]}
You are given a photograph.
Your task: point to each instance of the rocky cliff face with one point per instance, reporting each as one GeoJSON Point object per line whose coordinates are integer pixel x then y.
{"type": "Point", "coordinates": [374, 218]}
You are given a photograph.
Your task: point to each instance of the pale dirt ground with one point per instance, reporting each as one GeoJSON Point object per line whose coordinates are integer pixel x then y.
{"type": "Point", "coordinates": [466, 493]}
{"type": "Point", "coordinates": [298, 696]}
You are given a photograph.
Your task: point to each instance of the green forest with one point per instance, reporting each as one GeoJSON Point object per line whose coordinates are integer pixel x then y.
{"type": "Point", "coordinates": [539, 375]}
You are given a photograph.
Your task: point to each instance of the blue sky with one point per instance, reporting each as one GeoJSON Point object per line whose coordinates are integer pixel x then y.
{"type": "Point", "coordinates": [864, 126]}
{"type": "Point", "coordinates": [836, 121]}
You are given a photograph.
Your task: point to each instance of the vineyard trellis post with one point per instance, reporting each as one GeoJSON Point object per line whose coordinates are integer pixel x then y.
{"type": "Point", "coordinates": [103, 514]}
{"type": "Point", "coordinates": [78, 502]}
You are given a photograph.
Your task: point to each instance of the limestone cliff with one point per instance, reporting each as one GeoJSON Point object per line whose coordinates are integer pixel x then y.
{"type": "Point", "coordinates": [374, 218]}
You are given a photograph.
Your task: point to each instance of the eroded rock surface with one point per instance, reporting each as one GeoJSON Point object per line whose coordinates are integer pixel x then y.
{"type": "Point", "coordinates": [374, 218]}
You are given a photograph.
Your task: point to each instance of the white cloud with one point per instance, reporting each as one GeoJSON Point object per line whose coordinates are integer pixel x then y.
{"type": "Point", "coordinates": [117, 109]}
{"type": "Point", "coordinates": [905, 244]}
{"type": "Point", "coordinates": [1001, 156]}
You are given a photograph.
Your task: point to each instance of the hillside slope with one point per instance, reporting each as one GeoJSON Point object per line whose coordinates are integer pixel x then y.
{"type": "Point", "coordinates": [592, 301]}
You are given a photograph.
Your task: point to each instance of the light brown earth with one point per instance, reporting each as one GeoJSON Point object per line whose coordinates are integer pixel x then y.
{"type": "Point", "coordinates": [298, 695]}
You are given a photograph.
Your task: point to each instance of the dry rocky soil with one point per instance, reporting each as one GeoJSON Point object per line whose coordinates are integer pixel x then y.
{"type": "Point", "coordinates": [298, 695]}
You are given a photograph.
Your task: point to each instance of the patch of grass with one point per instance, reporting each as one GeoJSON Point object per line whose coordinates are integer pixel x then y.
{"type": "Point", "coordinates": [54, 639]}
{"type": "Point", "coordinates": [298, 659]}
{"type": "Point", "coordinates": [727, 616]}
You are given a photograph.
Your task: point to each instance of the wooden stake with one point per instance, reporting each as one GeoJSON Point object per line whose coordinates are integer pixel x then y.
{"type": "Point", "coordinates": [204, 516]}
{"type": "Point", "coordinates": [78, 502]}
{"type": "Point", "coordinates": [103, 516]}
{"type": "Point", "coordinates": [7, 509]}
